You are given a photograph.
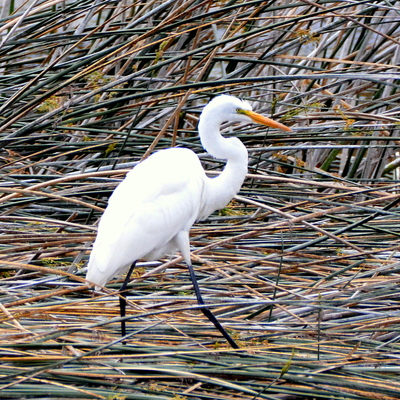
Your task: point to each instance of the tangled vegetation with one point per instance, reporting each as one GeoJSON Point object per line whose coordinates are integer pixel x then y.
{"type": "Point", "coordinates": [302, 267]}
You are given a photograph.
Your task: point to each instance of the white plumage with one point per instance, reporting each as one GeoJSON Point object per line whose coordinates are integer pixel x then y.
{"type": "Point", "coordinates": [151, 212]}
{"type": "Point", "coordinates": [157, 200]}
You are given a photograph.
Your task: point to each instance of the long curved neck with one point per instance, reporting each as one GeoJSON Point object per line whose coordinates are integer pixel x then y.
{"type": "Point", "coordinates": [222, 189]}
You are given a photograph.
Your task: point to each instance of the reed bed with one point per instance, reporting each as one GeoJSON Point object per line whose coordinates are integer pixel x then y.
{"type": "Point", "coordinates": [302, 267]}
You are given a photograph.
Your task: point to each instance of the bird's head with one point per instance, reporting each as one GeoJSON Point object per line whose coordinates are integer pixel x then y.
{"type": "Point", "coordinates": [229, 108]}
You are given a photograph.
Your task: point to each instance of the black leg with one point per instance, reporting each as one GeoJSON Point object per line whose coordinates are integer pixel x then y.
{"type": "Point", "coordinates": [122, 298]}
{"type": "Point", "coordinates": [207, 312]}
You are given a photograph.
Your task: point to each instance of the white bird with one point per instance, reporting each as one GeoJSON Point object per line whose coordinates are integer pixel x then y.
{"type": "Point", "coordinates": [150, 213]}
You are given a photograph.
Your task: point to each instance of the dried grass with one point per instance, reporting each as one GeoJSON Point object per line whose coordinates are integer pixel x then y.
{"type": "Point", "coordinates": [302, 267]}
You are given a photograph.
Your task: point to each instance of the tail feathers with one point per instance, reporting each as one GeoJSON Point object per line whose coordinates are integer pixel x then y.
{"type": "Point", "coordinates": [99, 275]}
{"type": "Point", "coordinates": [96, 277]}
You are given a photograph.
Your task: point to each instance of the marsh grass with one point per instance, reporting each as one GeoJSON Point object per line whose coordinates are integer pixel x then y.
{"type": "Point", "coordinates": [302, 267]}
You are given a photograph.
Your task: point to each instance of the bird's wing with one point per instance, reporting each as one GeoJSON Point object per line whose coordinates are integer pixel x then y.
{"type": "Point", "coordinates": [158, 199]}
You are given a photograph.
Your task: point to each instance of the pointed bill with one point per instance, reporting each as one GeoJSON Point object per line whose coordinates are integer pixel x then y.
{"type": "Point", "coordinates": [260, 119]}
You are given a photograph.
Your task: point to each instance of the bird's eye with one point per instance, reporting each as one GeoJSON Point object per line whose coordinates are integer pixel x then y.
{"type": "Point", "coordinates": [239, 111]}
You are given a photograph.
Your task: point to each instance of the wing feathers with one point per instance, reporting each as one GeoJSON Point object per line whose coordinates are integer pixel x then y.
{"type": "Point", "coordinates": [158, 199]}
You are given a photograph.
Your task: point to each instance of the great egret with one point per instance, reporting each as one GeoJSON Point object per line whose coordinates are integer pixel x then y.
{"type": "Point", "coordinates": [152, 210]}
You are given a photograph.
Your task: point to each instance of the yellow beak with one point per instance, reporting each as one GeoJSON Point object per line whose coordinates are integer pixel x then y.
{"type": "Point", "coordinates": [260, 119]}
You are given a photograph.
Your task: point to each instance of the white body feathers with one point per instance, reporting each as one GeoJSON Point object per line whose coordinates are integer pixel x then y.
{"type": "Point", "coordinates": [151, 212]}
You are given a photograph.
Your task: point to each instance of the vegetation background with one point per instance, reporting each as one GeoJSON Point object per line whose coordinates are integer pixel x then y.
{"type": "Point", "coordinates": [302, 267]}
